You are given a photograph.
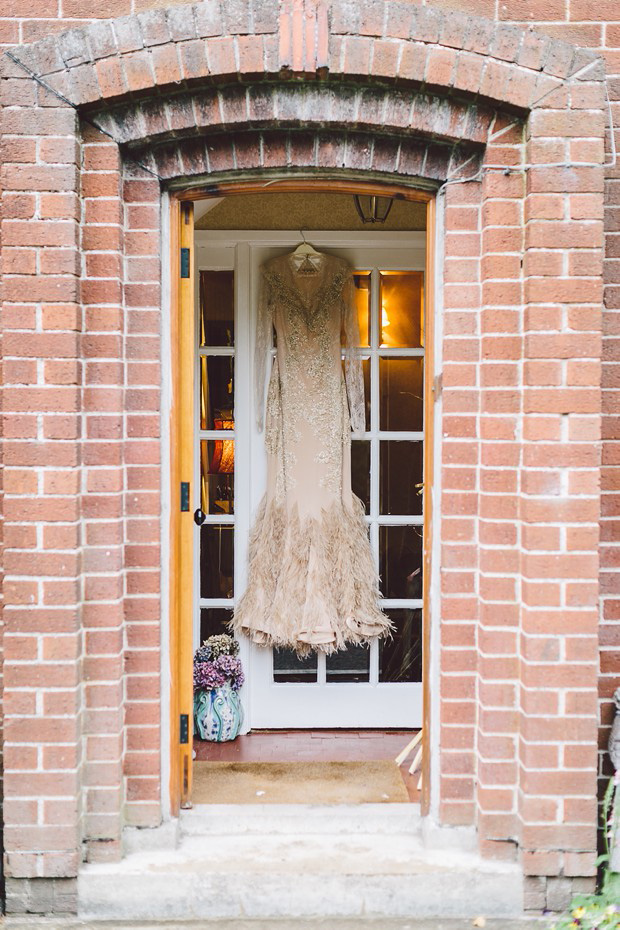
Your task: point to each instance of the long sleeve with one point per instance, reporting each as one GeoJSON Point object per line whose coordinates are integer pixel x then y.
{"type": "Point", "coordinates": [264, 323]}
{"type": "Point", "coordinates": [353, 373]}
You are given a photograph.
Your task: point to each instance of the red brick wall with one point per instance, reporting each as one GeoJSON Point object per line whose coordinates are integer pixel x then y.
{"type": "Point", "coordinates": [103, 487]}
{"type": "Point", "coordinates": [501, 385]}
{"type": "Point", "coordinates": [590, 23]}
{"type": "Point", "coordinates": [593, 24]}
{"type": "Point", "coordinates": [143, 453]}
{"type": "Point", "coordinates": [559, 486]}
{"type": "Point", "coordinates": [43, 643]}
{"type": "Point", "coordinates": [521, 400]}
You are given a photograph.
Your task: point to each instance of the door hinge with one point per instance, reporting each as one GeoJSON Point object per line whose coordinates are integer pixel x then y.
{"type": "Point", "coordinates": [184, 496]}
{"type": "Point", "coordinates": [184, 729]}
{"type": "Point", "coordinates": [185, 262]}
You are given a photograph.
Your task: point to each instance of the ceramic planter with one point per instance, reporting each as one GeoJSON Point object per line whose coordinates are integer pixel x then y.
{"type": "Point", "coordinates": [218, 714]}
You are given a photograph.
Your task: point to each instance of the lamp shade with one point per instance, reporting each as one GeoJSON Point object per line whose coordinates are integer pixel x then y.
{"type": "Point", "coordinates": [372, 209]}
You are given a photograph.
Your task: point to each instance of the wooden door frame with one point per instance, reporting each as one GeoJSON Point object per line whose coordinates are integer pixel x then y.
{"type": "Point", "coordinates": [181, 520]}
{"type": "Point", "coordinates": [181, 453]}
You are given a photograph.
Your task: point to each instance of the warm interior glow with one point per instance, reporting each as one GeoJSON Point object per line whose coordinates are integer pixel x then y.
{"type": "Point", "coordinates": [223, 461]}
{"type": "Point", "coordinates": [387, 343]}
{"type": "Point", "coordinates": [362, 294]}
{"type": "Point", "coordinates": [402, 310]}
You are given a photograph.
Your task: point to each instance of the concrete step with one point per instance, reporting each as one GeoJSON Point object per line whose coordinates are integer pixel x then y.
{"type": "Point", "coordinates": [357, 923]}
{"type": "Point", "coordinates": [297, 819]}
{"type": "Point", "coordinates": [260, 864]}
{"type": "Point", "coordinates": [281, 819]}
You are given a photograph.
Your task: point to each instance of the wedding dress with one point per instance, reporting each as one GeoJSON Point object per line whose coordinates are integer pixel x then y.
{"type": "Point", "coordinates": [312, 581]}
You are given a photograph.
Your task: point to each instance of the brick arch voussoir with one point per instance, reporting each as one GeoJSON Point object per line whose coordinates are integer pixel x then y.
{"type": "Point", "coordinates": [162, 50]}
{"type": "Point", "coordinates": [318, 150]}
{"type": "Point", "coordinates": [291, 105]}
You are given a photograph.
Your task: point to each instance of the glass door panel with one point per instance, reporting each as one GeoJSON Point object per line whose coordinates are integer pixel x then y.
{"type": "Point", "coordinates": [349, 665]}
{"type": "Point", "coordinates": [215, 466]}
{"type": "Point", "coordinates": [289, 668]}
{"type": "Point", "coordinates": [400, 658]}
{"type": "Point", "coordinates": [402, 310]}
{"type": "Point", "coordinates": [401, 477]}
{"type": "Point", "coordinates": [217, 308]}
{"type": "Point", "coordinates": [213, 620]}
{"type": "Point", "coordinates": [217, 388]}
{"type": "Point", "coordinates": [216, 561]}
{"type": "Point", "coordinates": [360, 471]}
{"type": "Point", "coordinates": [217, 472]}
{"type": "Point", "coordinates": [360, 686]}
{"type": "Point", "coordinates": [401, 394]}
{"type": "Point", "coordinates": [361, 283]}
{"type": "Point", "coordinates": [400, 562]}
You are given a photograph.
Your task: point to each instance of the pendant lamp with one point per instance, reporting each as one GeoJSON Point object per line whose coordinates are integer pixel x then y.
{"type": "Point", "coordinates": [372, 209]}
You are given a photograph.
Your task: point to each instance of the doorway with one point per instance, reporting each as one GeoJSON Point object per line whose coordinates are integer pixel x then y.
{"type": "Point", "coordinates": [380, 687]}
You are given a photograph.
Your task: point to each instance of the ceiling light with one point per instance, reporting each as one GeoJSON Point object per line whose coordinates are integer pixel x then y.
{"type": "Point", "coordinates": [372, 209]}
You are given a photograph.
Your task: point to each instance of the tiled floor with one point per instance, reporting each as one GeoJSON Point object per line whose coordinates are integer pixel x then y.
{"type": "Point", "coordinates": [314, 746]}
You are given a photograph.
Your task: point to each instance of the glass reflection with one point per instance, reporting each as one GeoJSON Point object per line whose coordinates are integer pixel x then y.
{"type": "Point", "coordinates": [361, 283]}
{"type": "Point", "coordinates": [401, 473]}
{"type": "Point", "coordinates": [351, 664]}
{"type": "Point", "coordinates": [401, 388]}
{"type": "Point", "coordinates": [217, 460]}
{"type": "Point", "coordinates": [213, 621]}
{"type": "Point", "coordinates": [289, 668]}
{"type": "Point", "coordinates": [400, 658]}
{"type": "Point", "coordinates": [367, 395]}
{"type": "Point", "coordinates": [402, 309]}
{"type": "Point", "coordinates": [360, 470]}
{"type": "Point", "coordinates": [217, 308]}
{"type": "Point", "coordinates": [216, 560]}
{"type": "Point", "coordinates": [217, 391]}
{"type": "Point", "coordinates": [400, 561]}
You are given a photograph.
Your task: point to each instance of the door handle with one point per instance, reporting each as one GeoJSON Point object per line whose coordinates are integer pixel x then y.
{"type": "Point", "coordinates": [199, 517]}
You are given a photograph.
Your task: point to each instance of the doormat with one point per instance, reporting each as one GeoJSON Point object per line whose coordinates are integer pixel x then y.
{"type": "Point", "coordinates": [298, 783]}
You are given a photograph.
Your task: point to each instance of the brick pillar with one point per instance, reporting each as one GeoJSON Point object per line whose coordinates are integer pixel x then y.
{"type": "Point", "coordinates": [102, 503]}
{"type": "Point", "coordinates": [560, 497]}
{"type": "Point", "coordinates": [42, 457]}
{"type": "Point", "coordinates": [459, 502]}
{"type": "Point", "coordinates": [142, 450]}
{"type": "Point", "coordinates": [500, 410]}
{"type": "Point", "coordinates": [609, 630]}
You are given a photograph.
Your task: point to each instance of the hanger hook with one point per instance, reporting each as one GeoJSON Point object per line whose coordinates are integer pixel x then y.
{"type": "Point", "coordinates": [301, 233]}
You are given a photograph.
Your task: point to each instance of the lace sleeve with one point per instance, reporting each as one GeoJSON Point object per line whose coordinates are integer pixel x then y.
{"type": "Point", "coordinates": [353, 373]}
{"type": "Point", "coordinates": [264, 323]}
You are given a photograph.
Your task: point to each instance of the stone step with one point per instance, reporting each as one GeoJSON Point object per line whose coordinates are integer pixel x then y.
{"type": "Point", "coordinates": [297, 819]}
{"type": "Point", "coordinates": [276, 876]}
{"type": "Point", "coordinates": [357, 923]}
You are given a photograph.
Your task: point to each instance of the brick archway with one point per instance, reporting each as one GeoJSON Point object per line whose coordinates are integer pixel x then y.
{"type": "Point", "coordinates": [96, 119]}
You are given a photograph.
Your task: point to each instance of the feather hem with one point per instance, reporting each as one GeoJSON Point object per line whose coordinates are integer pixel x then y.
{"type": "Point", "coordinates": [312, 581]}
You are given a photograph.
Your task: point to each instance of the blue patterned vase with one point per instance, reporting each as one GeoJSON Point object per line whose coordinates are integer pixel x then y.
{"type": "Point", "coordinates": [218, 714]}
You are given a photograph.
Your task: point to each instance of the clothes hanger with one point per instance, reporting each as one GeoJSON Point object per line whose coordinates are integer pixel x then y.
{"type": "Point", "coordinates": [306, 253]}
{"type": "Point", "coordinates": [304, 248]}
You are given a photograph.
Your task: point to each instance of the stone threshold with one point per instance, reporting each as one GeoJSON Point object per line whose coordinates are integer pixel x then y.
{"type": "Point", "coordinates": [358, 923]}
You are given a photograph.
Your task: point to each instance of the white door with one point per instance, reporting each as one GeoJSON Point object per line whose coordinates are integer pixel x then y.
{"type": "Point", "coordinates": [380, 686]}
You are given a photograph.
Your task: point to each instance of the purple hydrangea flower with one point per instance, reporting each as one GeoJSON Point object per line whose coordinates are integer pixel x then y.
{"type": "Point", "coordinates": [215, 664]}
{"type": "Point", "coordinates": [207, 676]}
{"type": "Point", "coordinates": [232, 669]}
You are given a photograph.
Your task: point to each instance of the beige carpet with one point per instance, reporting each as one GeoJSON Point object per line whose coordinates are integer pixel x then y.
{"type": "Point", "coordinates": [298, 783]}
